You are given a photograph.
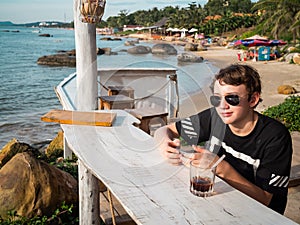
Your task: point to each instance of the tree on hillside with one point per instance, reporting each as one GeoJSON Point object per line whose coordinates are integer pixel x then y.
{"type": "Point", "coordinates": [195, 15]}
{"type": "Point", "coordinates": [112, 21]}
{"type": "Point", "coordinates": [139, 17]}
{"type": "Point", "coordinates": [280, 16]}
{"type": "Point", "coordinates": [192, 16]}
{"type": "Point", "coordinates": [123, 18]}
{"type": "Point", "coordinates": [240, 6]}
{"type": "Point", "coordinates": [221, 7]}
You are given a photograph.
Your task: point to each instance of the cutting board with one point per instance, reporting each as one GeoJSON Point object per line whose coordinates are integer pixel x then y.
{"type": "Point", "coordinates": [80, 118]}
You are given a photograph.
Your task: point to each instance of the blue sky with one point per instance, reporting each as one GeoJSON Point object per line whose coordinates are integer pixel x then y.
{"type": "Point", "coordinates": [20, 11]}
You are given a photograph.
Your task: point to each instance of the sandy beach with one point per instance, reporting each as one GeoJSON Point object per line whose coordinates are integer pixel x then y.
{"type": "Point", "coordinates": [273, 74]}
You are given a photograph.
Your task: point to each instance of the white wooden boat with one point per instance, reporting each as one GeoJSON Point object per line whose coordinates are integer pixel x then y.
{"type": "Point", "coordinates": [154, 87]}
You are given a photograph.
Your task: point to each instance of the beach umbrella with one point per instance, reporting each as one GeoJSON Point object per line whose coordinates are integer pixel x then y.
{"type": "Point", "coordinates": [276, 42]}
{"type": "Point", "coordinates": [183, 30]}
{"type": "Point", "coordinates": [254, 43]}
{"type": "Point", "coordinates": [176, 30]}
{"type": "Point", "coordinates": [256, 37]}
{"type": "Point", "coordinates": [238, 42]}
{"type": "Point", "coordinates": [193, 30]}
{"type": "Point", "coordinates": [251, 43]}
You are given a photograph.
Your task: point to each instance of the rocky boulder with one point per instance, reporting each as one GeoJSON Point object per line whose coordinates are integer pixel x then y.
{"type": "Point", "coordinates": [32, 187]}
{"type": "Point", "coordinates": [201, 48]}
{"type": "Point", "coordinates": [12, 148]}
{"type": "Point", "coordinates": [57, 60]}
{"type": "Point", "coordinates": [139, 50]}
{"type": "Point", "coordinates": [70, 52]}
{"type": "Point", "coordinates": [164, 49]}
{"type": "Point", "coordinates": [296, 58]}
{"type": "Point", "coordinates": [291, 49]}
{"type": "Point", "coordinates": [286, 90]}
{"type": "Point", "coordinates": [105, 51]}
{"type": "Point", "coordinates": [56, 147]}
{"type": "Point", "coordinates": [45, 35]}
{"type": "Point", "coordinates": [289, 57]}
{"type": "Point", "coordinates": [190, 47]}
{"type": "Point", "coordinates": [186, 57]}
{"type": "Point", "coordinates": [110, 39]}
{"type": "Point", "coordinates": [131, 42]}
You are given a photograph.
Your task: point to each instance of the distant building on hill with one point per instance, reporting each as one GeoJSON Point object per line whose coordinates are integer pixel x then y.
{"type": "Point", "coordinates": [215, 17]}
{"type": "Point", "coordinates": [44, 24]}
{"type": "Point", "coordinates": [132, 27]}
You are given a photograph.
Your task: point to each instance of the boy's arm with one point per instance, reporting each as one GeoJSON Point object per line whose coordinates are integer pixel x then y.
{"type": "Point", "coordinates": [232, 177]}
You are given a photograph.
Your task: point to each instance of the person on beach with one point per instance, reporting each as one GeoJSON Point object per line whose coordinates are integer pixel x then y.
{"type": "Point", "coordinates": [257, 148]}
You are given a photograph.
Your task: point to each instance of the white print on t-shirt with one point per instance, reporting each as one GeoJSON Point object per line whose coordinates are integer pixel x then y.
{"type": "Point", "coordinates": [246, 158]}
{"type": "Point", "coordinates": [188, 128]}
{"type": "Point", "coordinates": [276, 180]}
{"type": "Point", "coordinates": [279, 181]}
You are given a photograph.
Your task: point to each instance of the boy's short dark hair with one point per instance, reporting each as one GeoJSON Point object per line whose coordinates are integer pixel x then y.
{"type": "Point", "coordinates": [238, 74]}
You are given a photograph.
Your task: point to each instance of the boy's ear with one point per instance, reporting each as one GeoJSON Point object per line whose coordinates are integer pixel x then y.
{"type": "Point", "coordinates": [254, 100]}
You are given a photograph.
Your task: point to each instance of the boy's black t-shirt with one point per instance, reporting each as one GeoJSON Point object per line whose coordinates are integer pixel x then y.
{"type": "Point", "coordinates": [263, 157]}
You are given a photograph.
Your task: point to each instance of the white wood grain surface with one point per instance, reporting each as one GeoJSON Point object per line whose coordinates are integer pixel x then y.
{"type": "Point", "coordinates": [152, 191]}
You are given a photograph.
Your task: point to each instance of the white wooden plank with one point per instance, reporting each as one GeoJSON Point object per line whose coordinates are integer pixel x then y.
{"type": "Point", "coordinates": [152, 191]}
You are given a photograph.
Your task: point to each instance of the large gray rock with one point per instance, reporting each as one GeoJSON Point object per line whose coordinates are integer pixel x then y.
{"type": "Point", "coordinates": [164, 49]}
{"type": "Point", "coordinates": [139, 50]}
{"type": "Point", "coordinates": [187, 57]}
{"type": "Point", "coordinates": [131, 42]}
{"type": "Point", "coordinates": [45, 35]}
{"type": "Point", "coordinates": [190, 47]}
{"type": "Point", "coordinates": [32, 187]}
{"type": "Point", "coordinates": [110, 39]}
{"type": "Point", "coordinates": [106, 51]}
{"type": "Point", "coordinates": [69, 52]}
{"type": "Point", "coordinates": [201, 48]}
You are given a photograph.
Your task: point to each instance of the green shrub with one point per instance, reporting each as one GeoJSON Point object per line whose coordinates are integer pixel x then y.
{"type": "Point", "coordinates": [287, 112]}
{"type": "Point", "coordinates": [64, 215]}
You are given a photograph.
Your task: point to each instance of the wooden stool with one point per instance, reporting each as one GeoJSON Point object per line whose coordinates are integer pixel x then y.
{"type": "Point", "coordinates": [115, 102]}
{"type": "Point", "coordinates": [121, 90]}
{"type": "Point", "coordinates": [145, 115]}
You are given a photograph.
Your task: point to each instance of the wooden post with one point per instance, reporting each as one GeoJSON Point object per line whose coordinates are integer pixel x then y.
{"type": "Point", "coordinates": [67, 150]}
{"type": "Point", "coordinates": [86, 67]}
{"type": "Point", "coordinates": [86, 62]}
{"type": "Point", "coordinates": [89, 211]}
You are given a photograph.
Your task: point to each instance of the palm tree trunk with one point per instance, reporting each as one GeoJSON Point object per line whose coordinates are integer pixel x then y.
{"type": "Point", "coordinates": [294, 36]}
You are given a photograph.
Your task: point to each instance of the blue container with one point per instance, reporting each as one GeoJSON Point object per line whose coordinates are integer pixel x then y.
{"type": "Point", "coordinates": [264, 53]}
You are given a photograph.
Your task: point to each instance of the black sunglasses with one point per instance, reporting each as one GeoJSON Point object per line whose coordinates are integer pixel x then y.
{"type": "Point", "coordinates": [233, 100]}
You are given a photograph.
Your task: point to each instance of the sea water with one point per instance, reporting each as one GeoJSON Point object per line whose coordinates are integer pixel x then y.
{"type": "Point", "coordinates": [27, 89]}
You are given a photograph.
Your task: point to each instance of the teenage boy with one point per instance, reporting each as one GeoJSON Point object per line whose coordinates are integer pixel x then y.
{"type": "Point", "coordinates": [257, 148]}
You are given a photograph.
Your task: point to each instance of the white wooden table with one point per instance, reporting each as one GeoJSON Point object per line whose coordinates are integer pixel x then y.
{"type": "Point", "coordinates": [152, 191]}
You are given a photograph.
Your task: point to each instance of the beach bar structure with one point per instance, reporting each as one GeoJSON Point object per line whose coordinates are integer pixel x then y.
{"type": "Point", "coordinates": [127, 160]}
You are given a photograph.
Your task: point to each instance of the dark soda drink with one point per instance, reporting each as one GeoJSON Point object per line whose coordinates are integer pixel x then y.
{"type": "Point", "coordinates": [201, 186]}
